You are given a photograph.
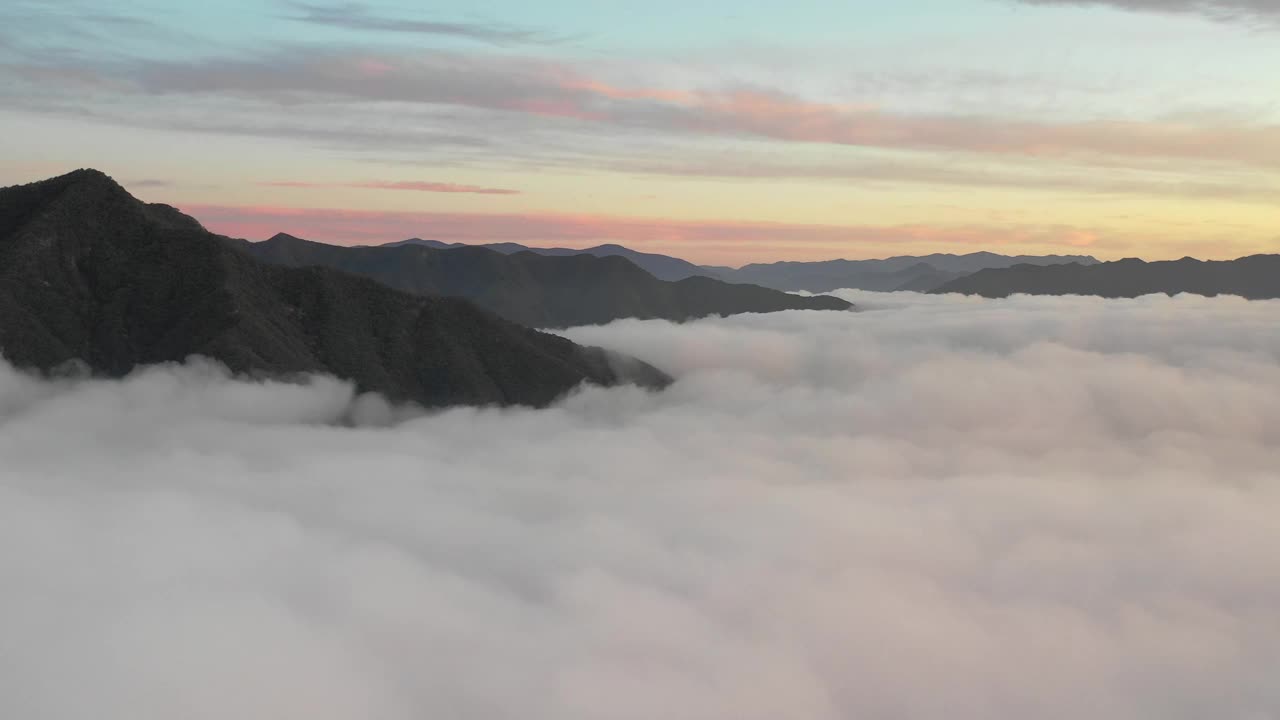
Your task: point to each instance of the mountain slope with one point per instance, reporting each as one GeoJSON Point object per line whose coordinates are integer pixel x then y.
{"type": "Point", "coordinates": [880, 275]}
{"type": "Point", "coordinates": [1256, 277]}
{"type": "Point", "coordinates": [663, 267]}
{"type": "Point", "coordinates": [922, 278]}
{"type": "Point", "coordinates": [89, 274]}
{"type": "Point", "coordinates": [538, 290]}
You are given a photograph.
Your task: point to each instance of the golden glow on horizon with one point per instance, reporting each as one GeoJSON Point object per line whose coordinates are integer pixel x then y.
{"type": "Point", "coordinates": [1108, 224]}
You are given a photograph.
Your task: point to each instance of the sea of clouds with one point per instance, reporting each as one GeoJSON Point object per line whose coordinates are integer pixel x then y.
{"type": "Point", "coordinates": [936, 508]}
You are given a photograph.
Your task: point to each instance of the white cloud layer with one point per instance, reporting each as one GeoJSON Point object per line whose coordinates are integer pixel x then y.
{"type": "Point", "coordinates": [937, 508]}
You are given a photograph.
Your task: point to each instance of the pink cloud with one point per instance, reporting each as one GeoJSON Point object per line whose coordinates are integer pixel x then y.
{"type": "Point", "coordinates": [779, 116]}
{"type": "Point", "coordinates": [558, 90]}
{"type": "Point", "coordinates": [597, 87]}
{"type": "Point", "coordinates": [374, 68]}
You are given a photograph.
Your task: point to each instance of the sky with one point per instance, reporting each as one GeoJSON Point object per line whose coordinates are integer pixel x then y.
{"type": "Point", "coordinates": [939, 508]}
{"type": "Point", "coordinates": [724, 133]}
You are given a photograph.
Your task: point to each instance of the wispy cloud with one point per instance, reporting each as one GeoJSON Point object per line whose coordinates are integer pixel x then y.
{"type": "Point", "coordinates": [432, 138]}
{"type": "Point", "coordinates": [564, 93]}
{"type": "Point", "coordinates": [1224, 10]}
{"type": "Point", "coordinates": [69, 29]}
{"type": "Point", "coordinates": [1021, 175]}
{"type": "Point", "coordinates": [356, 16]}
{"type": "Point", "coordinates": [433, 187]}
{"type": "Point", "coordinates": [569, 98]}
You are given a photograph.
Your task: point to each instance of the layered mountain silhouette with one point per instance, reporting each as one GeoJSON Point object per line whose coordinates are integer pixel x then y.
{"type": "Point", "coordinates": [550, 291]}
{"type": "Point", "coordinates": [1256, 278]}
{"type": "Point", "coordinates": [663, 267]}
{"type": "Point", "coordinates": [89, 275]}
{"type": "Point", "coordinates": [918, 273]}
{"type": "Point", "coordinates": [911, 273]}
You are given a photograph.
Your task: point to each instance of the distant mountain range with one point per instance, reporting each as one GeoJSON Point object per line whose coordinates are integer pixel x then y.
{"type": "Point", "coordinates": [548, 291]}
{"type": "Point", "coordinates": [980, 273]}
{"type": "Point", "coordinates": [89, 275]}
{"type": "Point", "coordinates": [918, 273]}
{"type": "Point", "coordinates": [915, 273]}
{"type": "Point", "coordinates": [976, 273]}
{"type": "Point", "coordinates": [663, 267]}
{"type": "Point", "coordinates": [1256, 277]}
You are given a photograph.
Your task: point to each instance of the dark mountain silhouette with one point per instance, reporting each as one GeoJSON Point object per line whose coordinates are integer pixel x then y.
{"type": "Point", "coordinates": [1256, 277]}
{"type": "Point", "coordinates": [896, 273]}
{"type": "Point", "coordinates": [437, 244]}
{"type": "Point", "coordinates": [538, 290]}
{"type": "Point", "coordinates": [911, 273]}
{"type": "Point", "coordinates": [663, 267]}
{"type": "Point", "coordinates": [90, 275]}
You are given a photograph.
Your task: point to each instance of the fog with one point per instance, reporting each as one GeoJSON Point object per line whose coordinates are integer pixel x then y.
{"type": "Point", "coordinates": [937, 507]}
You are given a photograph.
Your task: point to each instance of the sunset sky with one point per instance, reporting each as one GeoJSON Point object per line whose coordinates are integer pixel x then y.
{"type": "Point", "coordinates": [723, 132]}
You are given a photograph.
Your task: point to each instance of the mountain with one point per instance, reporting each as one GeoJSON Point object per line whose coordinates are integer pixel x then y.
{"type": "Point", "coordinates": [1256, 277]}
{"type": "Point", "coordinates": [920, 272]}
{"type": "Point", "coordinates": [921, 278]}
{"type": "Point", "coordinates": [92, 276]}
{"type": "Point", "coordinates": [538, 290]}
{"type": "Point", "coordinates": [663, 267]}
{"type": "Point", "coordinates": [437, 244]}
{"type": "Point", "coordinates": [918, 277]}
{"type": "Point", "coordinates": [902, 273]}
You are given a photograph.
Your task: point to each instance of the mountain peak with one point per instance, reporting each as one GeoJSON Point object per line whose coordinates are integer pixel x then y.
{"type": "Point", "coordinates": [89, 177]}
{"type": "Point", "coordinates": [437, 244]}
{"type": "Point", "coordinates": [84, 189]}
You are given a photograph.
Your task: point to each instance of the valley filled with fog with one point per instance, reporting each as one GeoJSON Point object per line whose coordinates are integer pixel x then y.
{"type": "Point", "coordinates": [936, 507]}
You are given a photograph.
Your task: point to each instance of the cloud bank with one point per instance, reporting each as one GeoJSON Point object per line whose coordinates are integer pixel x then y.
{"type": "Point", "coordinates": [937, 508]}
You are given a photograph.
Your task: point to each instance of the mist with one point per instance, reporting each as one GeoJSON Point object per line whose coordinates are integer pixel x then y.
{"type": "Point", "coordinates": [937, 507]}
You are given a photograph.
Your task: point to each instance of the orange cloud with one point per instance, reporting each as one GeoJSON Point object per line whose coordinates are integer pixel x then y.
{"type": "Point", "coordinates": [434, 187]}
